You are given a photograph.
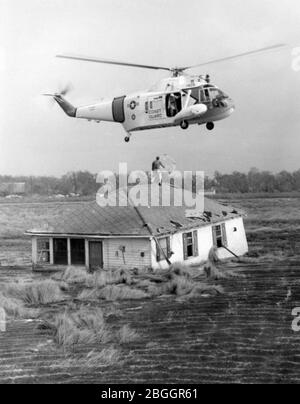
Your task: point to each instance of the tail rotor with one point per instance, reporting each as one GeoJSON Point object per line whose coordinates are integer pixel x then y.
{"type": "Point", "coordinates": [63, 91]}
{"type": "Point", "coordinates": [58, 97]}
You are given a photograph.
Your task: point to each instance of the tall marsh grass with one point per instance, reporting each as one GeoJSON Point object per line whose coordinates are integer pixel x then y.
{"type": "Point", "coordinates": [35, 293]}
{"type": "Point", "coordinates": [81, 327]}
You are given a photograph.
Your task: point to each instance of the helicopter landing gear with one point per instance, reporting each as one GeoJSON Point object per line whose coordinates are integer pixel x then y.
{"type": "Point", "coordinates": [184, 125]}
{"type": "Point", "coordinates": [210, 126]}
{"type": "Point", "coordinates": [127, 138]}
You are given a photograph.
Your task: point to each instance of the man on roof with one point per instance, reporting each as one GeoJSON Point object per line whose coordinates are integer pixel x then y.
{"type": "Point", "coordinates": [156, 170]}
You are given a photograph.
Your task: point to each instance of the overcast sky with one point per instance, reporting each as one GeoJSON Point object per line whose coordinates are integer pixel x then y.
{"type": "Point", "coordinates": [37, 138]}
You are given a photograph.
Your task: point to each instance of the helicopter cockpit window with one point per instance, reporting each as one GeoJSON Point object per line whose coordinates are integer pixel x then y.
{"type": "Point", "coordinates": [209, 93]}
{"type": "Point", "coordinates": [215, 93]}
{"type": "Point", "coordinates": [204, 95]}
{"type": "Point", "coordinates": [173, 104]}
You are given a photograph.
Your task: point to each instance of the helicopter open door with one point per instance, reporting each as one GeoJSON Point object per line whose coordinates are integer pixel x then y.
{"type": "Point", "coordinates": [173, 104]}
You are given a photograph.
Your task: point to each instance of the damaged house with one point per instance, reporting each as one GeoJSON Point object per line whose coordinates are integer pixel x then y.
{"type": "Point", "coordinates": [137, 237]}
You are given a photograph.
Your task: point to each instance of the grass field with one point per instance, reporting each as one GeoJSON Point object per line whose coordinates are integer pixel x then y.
{"type": "Point", "coordinates": [16, 218]}
{"type": "Point", "coordinates": [170, 328]}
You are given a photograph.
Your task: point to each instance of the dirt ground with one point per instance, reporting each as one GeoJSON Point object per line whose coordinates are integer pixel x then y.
{"type": "Point", "coordinates": [243, 335]}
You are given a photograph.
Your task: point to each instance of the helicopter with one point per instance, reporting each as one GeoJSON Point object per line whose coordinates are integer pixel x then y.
{"type": "Point", "coordinates": [178, 100]}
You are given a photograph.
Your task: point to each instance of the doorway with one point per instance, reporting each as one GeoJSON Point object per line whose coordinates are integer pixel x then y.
{"type": "Point", "coordinates": [96, 254]}
{"type": "Point", "coordinates": [60, 251]}
{"type": "Point", "coordinates": [77, 251]}
{"type": "Point", "coordinates": [173, 104]}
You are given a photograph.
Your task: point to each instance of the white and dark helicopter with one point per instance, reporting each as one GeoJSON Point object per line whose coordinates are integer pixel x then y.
{"type": "Point", "coordinates": [179, 100]}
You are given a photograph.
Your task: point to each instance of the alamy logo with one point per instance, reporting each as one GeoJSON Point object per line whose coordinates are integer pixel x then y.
{"type": "Point", "coordinates": [296, 321]}
{"type": "Point", "coordinates": [156, 189]}
{"type": "Point", "coordinates": [296, 59]}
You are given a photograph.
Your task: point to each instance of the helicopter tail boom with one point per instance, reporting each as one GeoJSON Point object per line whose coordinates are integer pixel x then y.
{"type": "Point", "coordinates": [65, 105]}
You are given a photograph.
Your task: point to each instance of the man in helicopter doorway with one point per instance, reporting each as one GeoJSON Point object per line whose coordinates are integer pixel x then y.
{"type": "Point", "coordinates": [156, 171]}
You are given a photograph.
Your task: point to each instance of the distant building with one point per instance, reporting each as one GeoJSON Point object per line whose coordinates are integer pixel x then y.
{"type": "Point", "coordinates": [211, 191]}
{"type": "Point", "coordinates": [119, 237]}
{"type": "Point", "coordinates": [16, 188]}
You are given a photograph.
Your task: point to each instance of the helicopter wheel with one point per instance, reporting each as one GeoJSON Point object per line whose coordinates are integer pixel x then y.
{"type": "Point", "coordinates": [210, 126]}
{"type": "Point", "coordinates": [127, 138]}
{"type": "Point", "coordinates": [184, 125]}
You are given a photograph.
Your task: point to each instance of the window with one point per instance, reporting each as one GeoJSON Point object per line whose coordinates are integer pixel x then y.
{"type": "Point", "coordinates": [60, 247]}
{"type": "Point", "coordinates": [43, 250]}
{"type": "Point", "coordinates": [215, 93]}
{"type": "Point", "coordinates": [219, 235]}
{"type": "Point", "coordinates": [190, 244]}
{"type": "Point", "coordinates": [208, 93]}
{"type": "Point", "coordinates": [164, 249]}
{"type": "Point", "coordinates": [194, 94]}
{"type": "Point", "coordinates": [77, 251]}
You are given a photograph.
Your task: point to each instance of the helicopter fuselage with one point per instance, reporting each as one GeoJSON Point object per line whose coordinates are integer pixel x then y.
{"type": "Point", "coordinates": [181, 99]}
{"type": "Point", "coordinates": [174, 101]}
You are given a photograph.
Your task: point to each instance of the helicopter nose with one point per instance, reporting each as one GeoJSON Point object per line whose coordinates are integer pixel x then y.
{"type": "Point", "coordinates": [228, 104]}
{"type": "Point", "coordinates": [231, 104]}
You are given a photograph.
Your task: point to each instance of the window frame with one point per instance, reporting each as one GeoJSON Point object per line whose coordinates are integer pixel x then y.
{"type": "Point", "coordinates": [40, 251]}
{"type": "Point", "coordinates": [193, 237]}
{"type": "Point", "coordinates": [159, 255]}
{"type": "Point", "coordinates": [221, 228]}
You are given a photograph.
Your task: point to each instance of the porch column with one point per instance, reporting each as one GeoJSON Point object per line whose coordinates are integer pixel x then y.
{"type": "Point", "coordinates": [34, 250]}
{"type": "Point", "coordinates": [87, 253]}
{"type": "Point", "coordinates": [69, 251]}
{"type": "Point", "coordinates": [51, 250]}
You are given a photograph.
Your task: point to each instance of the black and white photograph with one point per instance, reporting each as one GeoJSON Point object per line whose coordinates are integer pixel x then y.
{"type": "Point", "coordinates": [149, 195]}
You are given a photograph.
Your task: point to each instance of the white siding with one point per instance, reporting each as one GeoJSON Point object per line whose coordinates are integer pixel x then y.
{"type": "Point", "coordinates": [113, 257]}
{"type": "Point", "coordinates": [237, 243]}
{"type": "Point", "coordinates": [237, 240]}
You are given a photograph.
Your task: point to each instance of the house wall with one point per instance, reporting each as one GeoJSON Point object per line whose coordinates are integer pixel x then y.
{"type": "Point", "coordinates": [237, 240]}
{"type": "Point", "coordinates": [134, 247]}
{"type": "Point", "coordinates": [237, 243]}
{"type": "Point", "coordinates": [112, 252]}
{"type": "Point", "coordinates": [113, 256]}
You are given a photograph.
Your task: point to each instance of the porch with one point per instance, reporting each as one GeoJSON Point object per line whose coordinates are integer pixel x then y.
{"type": "Point", "coordinates": [66, 251]}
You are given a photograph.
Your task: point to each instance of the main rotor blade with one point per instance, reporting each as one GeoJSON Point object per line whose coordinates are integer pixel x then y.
{"type": "Point", "coordinates": [268, 48]}
{"type": "Point", "coordinates": [111, 62]}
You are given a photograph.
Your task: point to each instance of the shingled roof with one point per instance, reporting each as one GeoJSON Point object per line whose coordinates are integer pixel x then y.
{"type": "Point", "coordinates": [91, 219]}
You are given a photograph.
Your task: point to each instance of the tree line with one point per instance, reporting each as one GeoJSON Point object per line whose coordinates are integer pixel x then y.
{"type": "Point", "coordinates": [72, 183]}
{"type": "Point", "coordinates": [255, 181]}
{"type": "Point", "coordinates": [84, 183]}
